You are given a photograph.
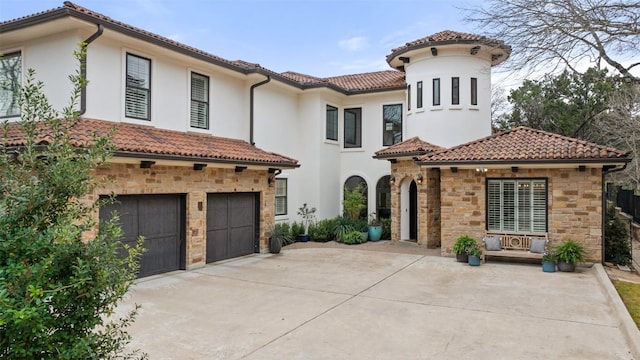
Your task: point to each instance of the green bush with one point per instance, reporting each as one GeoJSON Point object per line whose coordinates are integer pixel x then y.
{"type": "Point", "coordinates": [386, 228]}
{"type": "Point", "coordinates": [354, 202]}
{"type": "Point", "coordinates": [353, 237]}
{"type": "Point", "coordinates": [617, 244]}
{"type": "Point", "coordinates": [570, 252]}
{"type": "Point", "coordinates": [283, 231]}
{"type": "Point", "coordinates": [344, 225]}
{"type": "Point", "coordinates": [463, 244]}
{"type": "Point", "coordinates": [323, 231]}
{"type": "Point", "coordinates": [297, 229]}
{"type": "Point", "coordinates": [58, 293]}
{"type": "Point", "coordinates": [361, 225]}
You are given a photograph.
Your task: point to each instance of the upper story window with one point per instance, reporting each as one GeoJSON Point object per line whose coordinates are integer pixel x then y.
{"type": "Point", "coordinates": [436, 92]}
{"type": "Point", "coordinates": [392, 122]}
{"type": "Point", "coordinates": [331, 124]}
{"type": "Point", "coordinates": [281, 196]}
{"type": "Point", "coordinates": [474, 91]}
{"type": "Point", "coordinates": [199, 101]}
{"type": "Point", "coordinates": [517, 205]}
{"type": "Point", "coordinates": [10, 81]}
{"type": "Point", "coordinates": [353, 128]}
{"type": "Point", "coordinates": [138, 90]}
{"type": "Point", "coordinates": [408, 97]}
{"type": "Point", "coordinates": [419, 95]}
{"type": "Point", "coordinates": [455, 91]}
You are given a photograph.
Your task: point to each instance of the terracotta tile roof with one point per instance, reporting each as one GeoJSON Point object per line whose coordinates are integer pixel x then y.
{"type": "Point", "coordinates": [148, 141]}
{"type": "Point", "coordinates": [389, 79]}
{"type": "Point", "coordinates": [525, 145]}
{"type": "Point", "coordinates": [447, 37]}
{"type": "Point", "coordinates": [410, 147]}
{"type": "Point", "coordinates": [303, 78]}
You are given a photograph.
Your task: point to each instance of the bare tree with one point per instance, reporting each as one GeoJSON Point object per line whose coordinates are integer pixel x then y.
{"type": "Point", "coordinates": [549, 35]}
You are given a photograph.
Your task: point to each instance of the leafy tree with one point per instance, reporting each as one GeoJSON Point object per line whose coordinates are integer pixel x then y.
{"type": "Point", "coordinates": [566, 104]}
{"type": "Point", "coordinates": [549, 35]}
{"type": "Point", "coordinates": [58, 293]}
{"type": "Point", "coordinates": [354, 201]}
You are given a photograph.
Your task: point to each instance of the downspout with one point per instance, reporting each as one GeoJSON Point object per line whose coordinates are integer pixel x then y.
{"type": "Point", "coordinates": [251, 107]}
{"type": "Point", "coordinates": [83, 70]}
{"type": "Point", "coordinates": [604, 204]}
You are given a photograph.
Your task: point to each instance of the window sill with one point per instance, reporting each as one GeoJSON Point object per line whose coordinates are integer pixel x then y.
{"type": "Point", "coordinates": [421, 110]}
{"type": "Point", "coordinates": [436, 108]}
{"type": "Point", "coordinates": [137, 121]}
{"type": "Point", "coordinates": [198, 130]}
{"type": "Point", "coordinates": [331, 142]}
{"type": "Point", "coordinates": [474, 108]}
{"type": "Point", "coordinates": [455, 107]}
{"type": "Point", "coordinates": [348, 150]}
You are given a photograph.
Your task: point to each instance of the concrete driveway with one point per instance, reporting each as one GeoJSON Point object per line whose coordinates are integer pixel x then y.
{"type": "Point", "coordinates": [326, 303]}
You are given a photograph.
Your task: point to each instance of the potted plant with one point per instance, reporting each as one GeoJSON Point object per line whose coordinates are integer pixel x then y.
{"type": "Point", "coordinates": [549, 261]}
{"type": "Point", "coordinates": [568, 254]}
{"type": "Point", "coordinates": [474, 254]}
{"type": "Point", "coordinates": [307, 218]}
{"type": "Point", "coordinates": [361, 225]}
{"type": "Point", "coordinates": [353, 237]}
{"type": "Point", "coordinates": [461, 246]}
{"type": "Point", "coordinates": [374, 228]}
{"type": "Point", "coordinates": [344, 225]}
{"type": "Point", "coordinates": [279, 235]}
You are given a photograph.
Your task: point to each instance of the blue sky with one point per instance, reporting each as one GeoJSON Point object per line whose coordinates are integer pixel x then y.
{"type": "Point", "coordinates": [316, 37]}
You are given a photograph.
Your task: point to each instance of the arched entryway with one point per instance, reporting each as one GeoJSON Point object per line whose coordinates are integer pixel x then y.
{"type": "Point", "coordinates": [383, 197]}
{"type": "Point", "coordinates": [353, 182]}
{"type": "Point", "coordinates": [408, 210]}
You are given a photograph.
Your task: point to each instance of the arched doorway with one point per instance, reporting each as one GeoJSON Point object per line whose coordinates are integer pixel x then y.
{"type": "Point", "coordinates": [413, 211]}
{"type": "Point", "coordinates": [383, 197]}
{"type": "Point", "coordinates": [408, 210]}
{"type": "Point", "coordinates": [353, 182]}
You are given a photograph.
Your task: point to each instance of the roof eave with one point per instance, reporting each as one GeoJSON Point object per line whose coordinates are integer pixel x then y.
{"type": "Point", "coordinates": [403, 50]}
{"type": "Point", "coordinates": [400, 155]}
{"type": "Point", "coordinates": [131, 154]}
{"type": "Point", "coordinates": [524, 162]}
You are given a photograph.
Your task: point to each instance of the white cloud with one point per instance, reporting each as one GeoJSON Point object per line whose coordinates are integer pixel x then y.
{"type": "Point", "coordinates": [355, 43]}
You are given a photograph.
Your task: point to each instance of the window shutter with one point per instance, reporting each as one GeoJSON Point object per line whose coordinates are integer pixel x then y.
{"type": "Point", "coordinates": [524, 206]}
{"type": "Point", "coordinates": [493, 206]}
{"type": "Point", "coordinates": [539, 206]}
{"type": "Point", "coordinates": [199, 101]}
{"type": "Point", "coordinates": [137, 94]}
{"type": "Point", "coordinates": [509, 206]}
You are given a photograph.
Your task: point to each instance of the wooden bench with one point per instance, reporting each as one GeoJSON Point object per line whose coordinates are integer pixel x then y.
{"type": "Point", "coordinates": [514, 245]}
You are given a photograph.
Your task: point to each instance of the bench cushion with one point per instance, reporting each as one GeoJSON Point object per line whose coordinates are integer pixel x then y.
{"type": "Point", "coordinates": [492, 243]}
{"type": "Point", "coordinates": [537, 245]}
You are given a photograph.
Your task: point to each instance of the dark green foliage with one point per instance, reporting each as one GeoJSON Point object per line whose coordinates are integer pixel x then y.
{"type": "Point", "coordinates": [463, 244]}
{"type": "Point", "coordinates": [353, 237]}
{"type": "Point", "coordinates": [283, 231]}
{"type": "Point", "coordinates": [354, 202]}
{"type": "Point", "coordinates": [57, 293]}
{"type": "Point", "coordinates": [386, 228]}
{"type": "Point", "coordinates": [617, 244]}
{"type": "Point", "coordinates": [323, 231]}
{"type": "Point", "coordinates": [344, 225]}
{"type": "Point", "coordinates": [570, 252]}
{"type": "Point", "coordinates": [297, 229]}
{"type": "Point", "coordinates": [361, 225]}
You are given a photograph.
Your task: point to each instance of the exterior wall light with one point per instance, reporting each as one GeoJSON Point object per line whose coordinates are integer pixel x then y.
{"type": "Point", "coordinates": [392, 180]}
{"type": "Point", "coordinates": [419, 179]}
{"type": "Point", "coordinates": [481, 171]}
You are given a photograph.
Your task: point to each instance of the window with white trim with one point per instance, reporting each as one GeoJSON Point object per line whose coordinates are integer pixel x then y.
{"type": "Point", "coordinates": [409, 97]}
{"type": "Point", "coordinates": [517, 205]}
{"type": "Point", "coordinates": [10, 81]}
{"type": "Point", "coordinates": [281, 196]}
{"type": "Point", "coordinates": [474, 91]}
{"type": "Point", "coordinates": [331, 123]}
{"type": "Point", "coordinates": [419, 95]}
{"type": "Point", "coordinates": [455, 91]}
{"type": "Point", "coordinates": [353, 128]}
{"type": "Point", "coordinates": [392, 122]}
{"type": "Point", "coordinates": [137, 102]}
{"type": "Point", "coordinates": [199, 101]}
{"type": "Point", "coordinates": [436, 92]}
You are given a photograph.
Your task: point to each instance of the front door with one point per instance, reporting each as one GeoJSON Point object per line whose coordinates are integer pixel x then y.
{"type": "Point", "coordinates": [413, 211]}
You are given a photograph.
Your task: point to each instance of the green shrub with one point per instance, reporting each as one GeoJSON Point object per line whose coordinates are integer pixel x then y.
{"type": "Point", "coordinates": [386, 228]}
{"type": "Point", "coordinates": [463, 244]}
{"type": "Point", "coordinates": [283, 230]}
{"type": "Point", "coordinates": [617, 244]}
{"type": "Point", "coordinates": [570, 252]}
{"type": "Point", "coordinates": [323, 231]}
{"type": "Point", "coordinates": [361, 225]}
{"type": "Point", "coordinates": [353, 237]}
{"type": "Point", "coordinates": [354, 202]}
{"type": "Point", "coordinates": [297, 229]}
{"type": "Point", "coordinates": [344, 225]}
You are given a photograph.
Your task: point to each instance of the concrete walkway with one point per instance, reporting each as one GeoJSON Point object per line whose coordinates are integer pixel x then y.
{"type": "Point", "coordinates": [328, 303]}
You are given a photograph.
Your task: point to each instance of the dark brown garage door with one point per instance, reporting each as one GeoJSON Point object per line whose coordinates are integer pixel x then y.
{"type": "Point", "coordinates": [160, 219]}
{"type": "Point", "coordinates": [232, 228]}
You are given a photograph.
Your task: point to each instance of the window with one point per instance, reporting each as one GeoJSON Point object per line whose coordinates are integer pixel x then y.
{"type": "Point", "coordinates": [138, 92]}
{"type": "Point", "coordinates": [392, 122]}
{"type": "Point", "coordinates": [199, 101]}
{"type": "Point", "coordinates": [353, 128]}
{"type": "Point", "coordinates": [517, 205]}
{"type": "Point", "coordinates": [281, 196]}
{"type": "Point", "coordinates": [419, 95]}
{"type": "Point", "coordinates": [408, 97]}
{"type": "Point", "coordinates": [474, 91]}
{"type": "Point", "coordinates": [332, 123]}
{"type": "Point", "coordinates": [455, 91]}
{"type": "Point", "coordinates": [436, 92]}
{"type": "Point", "coordinates": [10, 81]}
{"type": "Point", "coordinates": [383, 197]}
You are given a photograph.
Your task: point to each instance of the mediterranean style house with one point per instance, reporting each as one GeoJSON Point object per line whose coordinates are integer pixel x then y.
{"type": "Point", "coordinates": [211, 152]}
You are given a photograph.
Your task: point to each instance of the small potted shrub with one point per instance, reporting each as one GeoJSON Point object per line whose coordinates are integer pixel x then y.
{"type": "Point", "coordinates": [549, 261]}
{"type": "Point", "coordinates": [361, 225]}
{"type": "Point", "coordinates": [568, 254]}
{"type": "Point", "coordinates": [353, 237]}
{"type": "Point", "coordinates": [279, 235]}
{"type": "Point", "coordinates": [461, 246]}
{"type": "Point", "coordinates": [307, 218]}
{"type": "Point", "coordinates": [474, 254]}
{"type": "Point", "coordinates": [374, 228]}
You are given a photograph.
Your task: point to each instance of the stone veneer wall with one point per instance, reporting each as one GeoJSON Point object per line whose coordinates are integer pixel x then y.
{"type": "Point", "coordinates": [129, 179]}
{"type": "Point", "coordinates": [574, 205]}
{"type": "Point", "coordinates": [428, 201]}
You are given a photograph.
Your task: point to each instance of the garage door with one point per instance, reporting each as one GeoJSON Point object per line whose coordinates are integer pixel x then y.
{"type": "Point", "coordinates": [232, 228]}
{"type": "Point", "coordinates": [160, 219]}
